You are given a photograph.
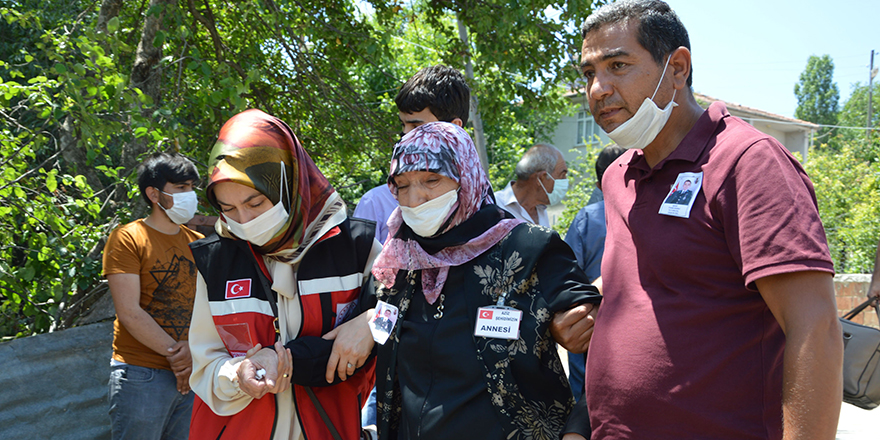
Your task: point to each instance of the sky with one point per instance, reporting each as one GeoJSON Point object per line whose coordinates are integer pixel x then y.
{"type": "Point", "coordinates": [752, 52]}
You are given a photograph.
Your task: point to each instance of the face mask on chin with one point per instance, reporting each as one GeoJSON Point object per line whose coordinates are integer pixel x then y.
{"type": "Point", "coordinates": [425, 220]}
{"type": "Point", "coordinates": [641, 129]}
{"type": "Point", "coordinates": [183, 208]}
{"type": "Point", "coordinates": [261, 229]}
{"type": "Point", "coordinates": [560, 188]}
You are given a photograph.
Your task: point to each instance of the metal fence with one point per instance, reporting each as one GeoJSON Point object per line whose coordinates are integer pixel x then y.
{"type": "Point", "coordinates": [54, 385]}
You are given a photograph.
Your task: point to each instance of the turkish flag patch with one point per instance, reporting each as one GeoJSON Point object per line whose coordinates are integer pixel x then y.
{"type": "Point", "coordinates": [238, 288]}
{"type": "Point", "coordinates": [485, 314]}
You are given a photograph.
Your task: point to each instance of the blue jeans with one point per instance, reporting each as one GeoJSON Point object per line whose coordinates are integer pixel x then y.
{"type": "Point", "coordinates": [145, 404]}
{"type": "Point", "coordinates": [576, 366]}
{"type": "Point", "coordinates": [368, 413]}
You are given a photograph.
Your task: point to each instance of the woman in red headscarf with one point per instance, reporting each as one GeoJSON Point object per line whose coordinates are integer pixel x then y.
{"type": "Point", "coordinates": [286, 267]}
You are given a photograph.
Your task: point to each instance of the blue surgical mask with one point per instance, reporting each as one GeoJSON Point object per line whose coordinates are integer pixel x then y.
{"type": "Point", "coordinates": [560, 188]}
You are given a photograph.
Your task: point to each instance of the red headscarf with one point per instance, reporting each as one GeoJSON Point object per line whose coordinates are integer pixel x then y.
{"type": "Point", "coordinates": [250, 150]}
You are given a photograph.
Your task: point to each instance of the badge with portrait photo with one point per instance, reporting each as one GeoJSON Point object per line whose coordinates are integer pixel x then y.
{"type": "Point", "coordinates": [681, 196]}
{"type": "Point", "coordinates": [383, 322]}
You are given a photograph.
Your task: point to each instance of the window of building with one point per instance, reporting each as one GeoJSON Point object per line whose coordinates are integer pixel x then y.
{"type": "Point", "coordinates": [587, 129]}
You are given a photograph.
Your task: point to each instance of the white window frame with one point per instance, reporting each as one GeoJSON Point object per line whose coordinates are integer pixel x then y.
{"type": "Point", "coordinates": [586, 128]}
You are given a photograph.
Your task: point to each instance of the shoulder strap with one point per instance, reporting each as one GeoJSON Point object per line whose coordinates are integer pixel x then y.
{"type": "Point", "coordinates": [323, 413]}
{"type": "Point", "coordinates": [872, 301]}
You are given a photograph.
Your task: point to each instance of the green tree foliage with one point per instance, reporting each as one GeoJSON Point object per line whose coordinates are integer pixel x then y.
{"type": "Point", "coordinates": [847, 187]}
{"type": "Point", "coordinates": [89, 87]}
{"type": "Point", "coordinates": [817, 92]}
{"type": "Point", "coordinates": [855, 112]}
{"type": "Point", "coordinates": [582, 175]}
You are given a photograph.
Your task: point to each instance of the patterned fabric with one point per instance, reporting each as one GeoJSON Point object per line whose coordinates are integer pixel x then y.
{"type": "Point", "coordinates": [445, 149]}
{"type": "Point", "coordinates": [250, 150]}
{"type": "Point", "coordinates": [524, 378]}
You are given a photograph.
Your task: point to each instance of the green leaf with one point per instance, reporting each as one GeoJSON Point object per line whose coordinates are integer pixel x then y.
{"type": "Point", "coordinates": [145, 99]}
{"type": "Point", "coordinates": [51, 182]}
{"type": "Point", "coordinates": [113, 25]}
{"type": "Point", "coordinates": [159, 39]}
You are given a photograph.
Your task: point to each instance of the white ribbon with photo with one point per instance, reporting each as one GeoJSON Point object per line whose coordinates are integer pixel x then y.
{"type": "Point", "coordinates": [681, 196]}
{"type": "Point", "coordinates": [383, 321]}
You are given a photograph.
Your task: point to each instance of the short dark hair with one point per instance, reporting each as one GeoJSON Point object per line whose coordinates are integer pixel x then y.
{"type": "Point", "coordinates": [606, 158]}
{"type": "Point", "coordinates": [441, 89]}
{"type": "Point", "coordinates": [161, 168]}
{"type": "Point", "coordinates": [660, 31]}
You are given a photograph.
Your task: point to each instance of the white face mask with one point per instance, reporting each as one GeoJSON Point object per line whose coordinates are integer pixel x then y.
{"type": "Point", "coordinates": [426, 219]}
{"type": "Point", "coordinates": [560, 187]}
{"type": "Point", "coordinates": [641, 129]}
{"type": "Point", "coordinates": [261, 229]}
{"type": "Point", "coordinates": [184, 207]}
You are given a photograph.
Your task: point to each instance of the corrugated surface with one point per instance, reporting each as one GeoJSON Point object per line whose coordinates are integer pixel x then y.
{"type": "Point", "coordinates": [54, 386]}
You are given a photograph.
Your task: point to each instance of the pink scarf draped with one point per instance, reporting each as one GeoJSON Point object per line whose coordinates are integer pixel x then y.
{"type": "Point", "coordinates": [407, 254]}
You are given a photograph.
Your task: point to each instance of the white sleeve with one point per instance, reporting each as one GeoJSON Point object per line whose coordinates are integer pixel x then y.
{"type": "Point", "coordinates": [213, 376]}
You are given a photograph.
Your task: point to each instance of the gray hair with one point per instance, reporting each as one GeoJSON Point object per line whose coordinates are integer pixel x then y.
{"type": "Point", "coordinates": [541, 157]}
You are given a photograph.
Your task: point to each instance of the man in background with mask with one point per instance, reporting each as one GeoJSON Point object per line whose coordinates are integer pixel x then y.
{"type": "Point", "coordinates": [719, 319]}
{"type": "Point", "coordinates": [152, 279]}
{"type": "Point", "coordinates": [541, 180]}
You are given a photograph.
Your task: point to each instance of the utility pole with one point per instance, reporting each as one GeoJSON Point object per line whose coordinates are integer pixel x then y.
{"type": "Point", "coordinates": [479, 137]}
{"type": "Point", "coordinates": [871, 74]}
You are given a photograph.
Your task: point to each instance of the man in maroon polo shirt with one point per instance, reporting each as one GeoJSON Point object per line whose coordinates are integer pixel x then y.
{"type": "Point", "coordinates": [719, 319]}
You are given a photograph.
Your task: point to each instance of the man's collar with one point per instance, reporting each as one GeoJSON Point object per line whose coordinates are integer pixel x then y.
{"type": "Point", "coordinates": [694, 143]}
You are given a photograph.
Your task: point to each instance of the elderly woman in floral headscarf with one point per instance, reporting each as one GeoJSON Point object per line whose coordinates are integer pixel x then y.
{"type": "Point", "coordinates": [286, 267]}
{"type": "Point", "coordinates": [471, 355]}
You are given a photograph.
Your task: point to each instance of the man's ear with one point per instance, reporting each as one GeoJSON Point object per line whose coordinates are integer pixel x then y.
{"type": "Point", "coordinates": [152, 194]}
{"type": "Point", "coordinates": [457, 121]}
{"type": "Point", "coordinates": [680, 63]}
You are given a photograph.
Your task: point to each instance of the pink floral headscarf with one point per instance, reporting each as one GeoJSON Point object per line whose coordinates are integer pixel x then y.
{"type": "Point", "coordinates": [448, 150]}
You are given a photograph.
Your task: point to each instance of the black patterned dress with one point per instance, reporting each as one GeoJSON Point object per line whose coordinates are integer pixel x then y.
{"type": "Point", "coordinates": [436, 380]}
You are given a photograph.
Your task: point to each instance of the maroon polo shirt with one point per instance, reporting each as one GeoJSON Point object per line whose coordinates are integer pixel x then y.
{"type": "Point", "coordinates": [684, 345]}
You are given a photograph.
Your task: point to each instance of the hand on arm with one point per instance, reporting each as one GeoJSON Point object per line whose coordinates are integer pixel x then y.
{"type": "Point", "coordinates": [803, 303]}
{"type": "Point", "coordinates": [573, 328]}
{"type": "Point", "coordinates": [352, 345]}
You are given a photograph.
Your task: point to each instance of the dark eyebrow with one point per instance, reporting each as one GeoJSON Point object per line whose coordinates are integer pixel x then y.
{"type": "Point", "coordinates": [613, 54]}
{"type": "Point", "coordinates": [252, 196]}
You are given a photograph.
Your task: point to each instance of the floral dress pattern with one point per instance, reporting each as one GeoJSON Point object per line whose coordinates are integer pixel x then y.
{"type": "Point", "coordinates": [537, 273]}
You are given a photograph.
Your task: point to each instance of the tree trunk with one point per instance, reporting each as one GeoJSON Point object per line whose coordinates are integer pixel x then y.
{"type": "Point", "coordinates": [74, 154]}
{"type": "Point", "coordinates": [109, 9]}
{"type": "Point", "coordinates": [146, 74]}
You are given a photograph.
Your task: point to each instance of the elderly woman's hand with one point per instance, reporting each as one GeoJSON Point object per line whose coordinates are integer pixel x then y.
{"type": "Point", "coordinates": [352, 344]}
{"type": "Point", "coordinates": [573, 328]}
{"type": "Point", "coordinates": [277, 366]}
